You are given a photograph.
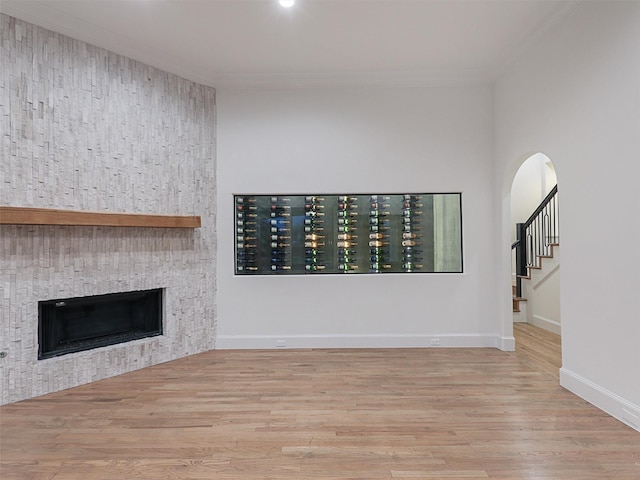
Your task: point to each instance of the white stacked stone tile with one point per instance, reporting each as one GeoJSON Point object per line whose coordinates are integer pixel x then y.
{"type": "Point", "coordinates": [86, 129]}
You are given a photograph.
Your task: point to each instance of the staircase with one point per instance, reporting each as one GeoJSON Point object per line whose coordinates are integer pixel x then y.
{"type": "Point", "coordinates": [539, 303]}
{"type": "Point", "coordinates": [535, 290]}
{"type": "Point", "coordinates": [518, 307]}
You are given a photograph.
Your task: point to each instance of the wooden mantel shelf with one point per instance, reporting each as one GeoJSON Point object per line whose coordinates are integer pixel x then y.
{"type": "Point", "coordinates": [47, 216]}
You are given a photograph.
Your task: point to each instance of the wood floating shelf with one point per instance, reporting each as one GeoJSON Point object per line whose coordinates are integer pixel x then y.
{"type": "Point", "coordinates": [47, 216]}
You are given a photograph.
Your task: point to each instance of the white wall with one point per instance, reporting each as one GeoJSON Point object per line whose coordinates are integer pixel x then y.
{"type": "Point", "coordinates": [346, 141]}
{"type": "Point", "coordinates": [575, 96]}
{"type": "Point", "coordinates": [543, 295]}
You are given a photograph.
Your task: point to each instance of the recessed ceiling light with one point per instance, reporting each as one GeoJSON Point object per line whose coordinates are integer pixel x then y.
{"type": "Point", "coordinates": [287, 3]}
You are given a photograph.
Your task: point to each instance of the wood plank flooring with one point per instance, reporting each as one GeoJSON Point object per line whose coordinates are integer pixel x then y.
{"type": "Point", "coordinates": [539, 348]}
{"type": "Point", "coordinates": [323, 414]}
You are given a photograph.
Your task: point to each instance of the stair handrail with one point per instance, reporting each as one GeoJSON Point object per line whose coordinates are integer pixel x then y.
{"type": "Point", "coordinates": [533, 237]}
{"type": "Point", "coordinates": [543, 204]}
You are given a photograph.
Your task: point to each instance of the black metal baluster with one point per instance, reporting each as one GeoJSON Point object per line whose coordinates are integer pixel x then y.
{"type": "Point", "coordinates": [536, 236]}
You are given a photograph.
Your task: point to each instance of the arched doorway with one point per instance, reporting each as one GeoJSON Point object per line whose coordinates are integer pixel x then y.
{"type": "Point", "coordinates": [534, 205]}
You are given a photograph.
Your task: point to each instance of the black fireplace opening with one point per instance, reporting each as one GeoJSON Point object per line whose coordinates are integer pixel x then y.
{"type": "Point", "coordinates": [68, 325]}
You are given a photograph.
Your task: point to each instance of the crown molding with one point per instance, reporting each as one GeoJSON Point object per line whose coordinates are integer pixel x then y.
{"type": "Point", "coordinates": [354, 79]}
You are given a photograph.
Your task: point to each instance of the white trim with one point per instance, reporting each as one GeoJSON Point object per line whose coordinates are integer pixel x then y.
{"type": "Point", "coordinates": [507, 344]}
{"type": "Point", "coordinates": [546, 323]}
{"type": "Point", "coordinates": [616, 406]}
{"type": "Point", "coordinates": [520, 317]}
{"type": "Point", "coordinates": [373, 78]}
{"type": "Point", "coordinates": [226, 342]}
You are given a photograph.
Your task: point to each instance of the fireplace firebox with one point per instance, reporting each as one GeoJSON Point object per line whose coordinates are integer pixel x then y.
{"type": "Point", "coordinates": [69, 325]}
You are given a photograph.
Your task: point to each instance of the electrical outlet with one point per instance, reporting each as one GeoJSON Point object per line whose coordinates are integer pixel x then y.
{"type": "Point", "coordinates": [435, 342]}
{"type": "Point", "coordinates": [281, 343]}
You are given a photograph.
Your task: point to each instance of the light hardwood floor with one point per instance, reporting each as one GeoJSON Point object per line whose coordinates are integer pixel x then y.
{"type": "Point", "coordinates": [324, 414]}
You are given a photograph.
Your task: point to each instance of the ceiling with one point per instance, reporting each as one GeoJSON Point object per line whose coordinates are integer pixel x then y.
{"type": "Point", "coordinates": [258, 43]}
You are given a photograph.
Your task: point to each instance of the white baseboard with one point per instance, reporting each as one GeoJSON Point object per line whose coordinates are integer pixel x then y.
{"type": "Point", "coordinates": [546, 323]}
{"type": "Point", "coordinates": [249, 342]}
{"type": "Point", "coordinates": [616, 406]}
{"type": "Point", "coordinates": [520, 317]}
{"type": "Point", "coordinates": [507, 344]}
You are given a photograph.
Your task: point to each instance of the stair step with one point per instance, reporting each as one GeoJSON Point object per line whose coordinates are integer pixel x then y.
{"type": "Point", "coordinates": [540, 256]}
{"type": "Point", "coordinates": [516, 303]}
{"type": "Point", "coordinates": [516, 299]}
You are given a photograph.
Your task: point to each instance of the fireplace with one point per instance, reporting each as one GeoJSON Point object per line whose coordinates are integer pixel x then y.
{"type": "Point", "coordinates": [69, 325]}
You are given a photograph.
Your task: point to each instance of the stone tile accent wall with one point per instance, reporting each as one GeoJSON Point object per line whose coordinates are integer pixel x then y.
{"type": "Point", "coordinates": [82, 128]}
